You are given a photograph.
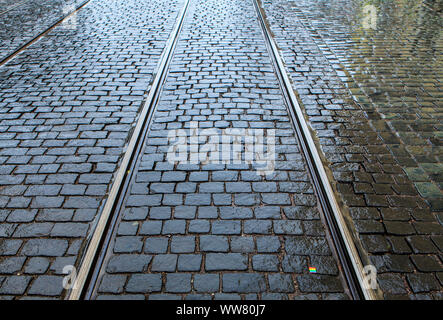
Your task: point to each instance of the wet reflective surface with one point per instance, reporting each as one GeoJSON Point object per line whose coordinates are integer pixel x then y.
{"type": "Point", "coordinates": [72, 80]}
{"type": "Point", "coordinates": [368, 78]}
{"type": "Point", "coordinates": [6, 5]}
{"type": "Point", "coordinates": [389, 54]}
{"type": "Point", "coordinates": [23, 20]}
{"type": "Point", "coordinates": [367, 73]}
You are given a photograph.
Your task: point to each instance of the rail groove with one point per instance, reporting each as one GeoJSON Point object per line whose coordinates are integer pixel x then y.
{"type": "Point", "coordinates": [12, 7]}
{"type": "Point", "coordinates": [41, 35]}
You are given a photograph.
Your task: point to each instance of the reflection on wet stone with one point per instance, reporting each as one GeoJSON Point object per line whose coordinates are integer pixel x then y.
{"type": "Point", "coordinates": [394, 72]}
{"type": "Point", "coordinates": [368, 75]}
{"type": "Point", "coordinates": [23, 20]}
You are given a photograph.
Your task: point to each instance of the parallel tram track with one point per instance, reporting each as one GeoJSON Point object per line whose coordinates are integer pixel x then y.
{"type": "Point", "coordinates": [12, 7]}
{"type": "Point", "coordinates": [40, 35]}
{"type": "Point", "coordinates": [95, 255]}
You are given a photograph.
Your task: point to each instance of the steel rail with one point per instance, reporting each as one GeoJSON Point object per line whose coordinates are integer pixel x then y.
{"type": "Point", "coordinates": [13, 6]}
{"type": "Point", "coordinates": [87, 277]}
{"type": "Point", "coordinates": [341, 236]}
{"type": "Point", "coordinates": [42, 34]}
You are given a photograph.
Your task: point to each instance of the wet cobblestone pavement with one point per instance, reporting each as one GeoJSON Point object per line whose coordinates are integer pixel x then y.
{"type": "Point", "coordinates": [220, 231]}
{"type": "Point", "coordinates": [23, 20]}
{"type": "Point", "coordinates": [67, 105]}
{"type": "Point", "coordinates": [395, 72]}
{"type": "Point", "coordinates": [373, 99]}
{"type": "Point", "coordinates": [368, 77]}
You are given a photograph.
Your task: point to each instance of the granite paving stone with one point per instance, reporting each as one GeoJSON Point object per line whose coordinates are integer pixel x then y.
{"type": "Point", "coordinates": [67, 105]}
{"type": "Point", "coordinates": [375, 122]}
{"type": "Point", "coordinates": [222, 230]}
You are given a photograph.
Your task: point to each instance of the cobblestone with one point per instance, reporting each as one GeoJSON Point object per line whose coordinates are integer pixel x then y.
{"type": "Point", "coordinates": [243, 283]}
{"type": "Point", "coordinates": [66, 112]}
{"type": "Point", "coordinates": [47, 286]}
{"type": "Point", "coordinates": [225, 218]}
{"type": "Point", "coordinates": [220, 230]}
{"type": "Point", "coordinates": [18, 21]}
{"type": "Point", "coordinates": [143, 283]}
{"type": "Point", "coordinates": [375, 123]}
{"type": "Point", "coordinates": [112, 284]}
